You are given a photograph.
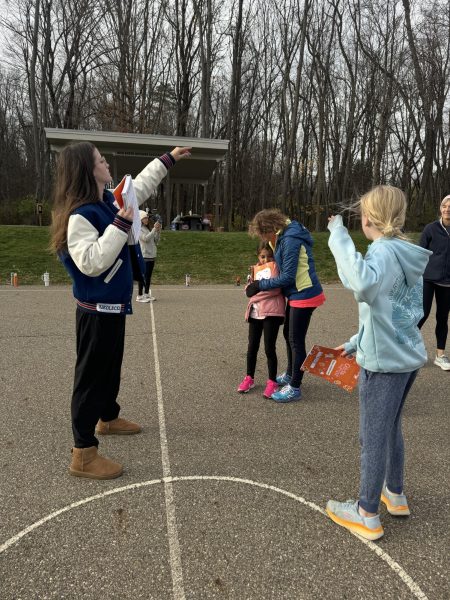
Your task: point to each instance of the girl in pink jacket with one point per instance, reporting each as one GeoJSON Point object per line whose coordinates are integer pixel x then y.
{"type": "Point", "coordinates": [265, 313]}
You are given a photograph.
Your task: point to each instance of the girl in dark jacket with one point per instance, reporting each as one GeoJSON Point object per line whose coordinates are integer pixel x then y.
{"type": "Point", "coordinates": [436, 279]}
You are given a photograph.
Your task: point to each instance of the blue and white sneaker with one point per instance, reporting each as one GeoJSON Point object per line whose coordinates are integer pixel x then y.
{"type": "Point", "coordinates": [283, 379]}
{"type": "Point", "coordinates": [287, 394]}
{"type": "Point", "coordinates": [347, 515]}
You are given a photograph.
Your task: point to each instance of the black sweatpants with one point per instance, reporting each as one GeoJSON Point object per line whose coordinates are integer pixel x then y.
{"type": "Point", "coordinates": [295, 329]}
{"type": "Point", "coordinates": [442, 295]}
{"type": "Point", "coordinates": [270, 326]}
{"type": "Point", "coordinates": [149, 264]}
{"type": "Point", "coordinates": [100, 345]}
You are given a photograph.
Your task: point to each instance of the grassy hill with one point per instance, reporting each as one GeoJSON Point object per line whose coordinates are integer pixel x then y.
{"type": "Point", "coordinates": [208, 257]}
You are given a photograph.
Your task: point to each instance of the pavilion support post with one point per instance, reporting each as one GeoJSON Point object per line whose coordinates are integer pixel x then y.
{"type": "Point", "coordinates": [168, 186]}
{"type": "Point", "coordinates": [217, 202]}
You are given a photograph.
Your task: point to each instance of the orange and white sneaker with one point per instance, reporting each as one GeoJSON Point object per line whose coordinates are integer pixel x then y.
{"type": "Point", "coordinates": [396, 504]}
{"type": "Point", "coordinates": [346, 514]}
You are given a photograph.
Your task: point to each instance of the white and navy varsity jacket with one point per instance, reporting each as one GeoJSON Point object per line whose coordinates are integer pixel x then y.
{"type": "Point", "coordinates": [98, 258]}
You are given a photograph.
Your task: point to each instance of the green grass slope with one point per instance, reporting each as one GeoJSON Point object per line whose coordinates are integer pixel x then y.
{"type": "Point", "coordinates": [208, 257]}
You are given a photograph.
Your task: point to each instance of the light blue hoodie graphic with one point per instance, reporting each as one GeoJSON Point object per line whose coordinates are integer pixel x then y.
{"type": "Point", "coordinates": [387, 284]}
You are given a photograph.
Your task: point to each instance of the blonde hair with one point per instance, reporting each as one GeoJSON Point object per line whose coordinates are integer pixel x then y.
{"type": "Point", "coordinates": [445, 200]}
{"type": "Point", "coordinates": [385, 207]}
{"type": "Point", "coordinates": [267, 221]}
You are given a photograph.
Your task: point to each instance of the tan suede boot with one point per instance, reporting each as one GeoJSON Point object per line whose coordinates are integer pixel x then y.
{"type": "Point", "coordinates": [86, 462]}
{"type": "Point", "coordinates": [117, 427]}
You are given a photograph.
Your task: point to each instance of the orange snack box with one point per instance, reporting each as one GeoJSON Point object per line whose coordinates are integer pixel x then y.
{"type": "Point", "coordinates": [330, 365]}
{"type": "Point", "coordinates": [264, 271]}
{"type": "Point", "coordinates": [117, 193]}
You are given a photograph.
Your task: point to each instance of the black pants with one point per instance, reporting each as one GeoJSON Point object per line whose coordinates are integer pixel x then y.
{"type": "Point", "coordinates": [270, 326]}
{"type": "Point", "coordinates": [149, 264]}
{"type": "Point", "coordinates": [442, 295]}
{"type": "Point", "coordinates": [100, 344]}
{"type": "Point", "coordinates": [295, 329]}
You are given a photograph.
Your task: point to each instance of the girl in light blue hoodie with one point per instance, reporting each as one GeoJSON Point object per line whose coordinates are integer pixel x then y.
{"type": "Point", "coordinates": [387, 284]}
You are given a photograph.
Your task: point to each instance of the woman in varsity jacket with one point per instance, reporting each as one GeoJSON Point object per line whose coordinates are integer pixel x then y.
{"type": "Point", "coordinates": [90, 236]}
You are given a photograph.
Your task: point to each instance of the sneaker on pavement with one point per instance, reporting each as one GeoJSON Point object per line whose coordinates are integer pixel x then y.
{"type": "Point", "coordinates": [347, 515]}
{"type": "Point", "coordinates": [271, 388]}
{"type": "Point", "coordinates": [283, 379]}
{"type": "Point", "coordinates": [142, 298]}
{"type": "Point", "coordinates": [150, 298]}
{"type": "Point", "coordinates": [246, 385]}
{"type": "Point", "coordinates": [443, 362]}
{"type": "Point", "coordinates": [287, 394]}
{"type": "Point", "coordinates": [396, 504]}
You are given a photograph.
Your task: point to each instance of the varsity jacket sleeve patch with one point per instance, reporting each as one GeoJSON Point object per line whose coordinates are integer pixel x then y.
{"type": "Point", "coordinates": [91, 253]}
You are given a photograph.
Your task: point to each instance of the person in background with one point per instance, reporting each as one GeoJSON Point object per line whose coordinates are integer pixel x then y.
{"type": "Point", "coordinates": [300, 285]}
{"type": "Point", "coordinates": [436, 284]}
{"type": "Point", "coordinates": [387, 284]}
{"type": "Point", "coordinates": [148, 240]}
{"type": "Point", "coordinates": [264, 314]}
{"type": "Point", "coordinates": [90, 236]}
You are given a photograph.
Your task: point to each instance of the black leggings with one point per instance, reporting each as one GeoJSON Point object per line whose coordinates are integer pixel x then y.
{"type": "Point", "coordinates": [149, 264]}
{"type": "Point", "coordinates": [295, 329]}
{"type": "Point", "coordinates": [270, 326]}
{"type": "Point", "coordinates": [442, 295]}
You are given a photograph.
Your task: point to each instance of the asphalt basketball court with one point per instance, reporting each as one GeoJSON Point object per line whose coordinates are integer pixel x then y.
{"type": "Point", "coordinates": [223, 495]}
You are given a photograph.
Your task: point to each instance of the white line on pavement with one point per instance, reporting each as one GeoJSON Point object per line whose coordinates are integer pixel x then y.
{"type": "Point", "coordinates": [395, 566]}
{"type": "Point", "coordinates": [172, 530]}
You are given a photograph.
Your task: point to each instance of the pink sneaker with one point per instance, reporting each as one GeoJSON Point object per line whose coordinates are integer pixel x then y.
{"type": "Point", "coordinates": [271, 388]}
{"type": "Point", "coordinates": [246, 385]}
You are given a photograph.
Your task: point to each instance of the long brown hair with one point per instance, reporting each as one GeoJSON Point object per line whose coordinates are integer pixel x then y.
{"type": "Point", "coordinates": [75, 185]}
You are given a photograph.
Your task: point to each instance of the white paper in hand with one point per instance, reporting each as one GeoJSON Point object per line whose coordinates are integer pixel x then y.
{"type": "Point", "coordinates": [130, 200]}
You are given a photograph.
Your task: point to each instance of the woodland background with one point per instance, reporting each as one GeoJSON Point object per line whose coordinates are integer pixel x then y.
{"type": "Point", "coordinates": [320, 100]}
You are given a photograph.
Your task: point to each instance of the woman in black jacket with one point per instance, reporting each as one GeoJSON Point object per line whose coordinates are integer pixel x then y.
{"type": "Point", "coordinates": [436, 279]}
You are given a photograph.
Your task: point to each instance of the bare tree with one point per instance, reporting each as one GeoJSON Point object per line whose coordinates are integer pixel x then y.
{"type": "Point", "coordinates": [319, 100]}
{"type": "Point", "coordinates": [292, 135]}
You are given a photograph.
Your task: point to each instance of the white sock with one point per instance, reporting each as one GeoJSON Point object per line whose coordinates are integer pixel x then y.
{"type": "Point", "coordinates": [393, 493]}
